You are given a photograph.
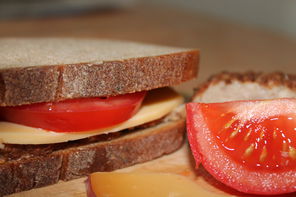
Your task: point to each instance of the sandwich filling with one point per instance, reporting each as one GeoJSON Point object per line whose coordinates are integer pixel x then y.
{"type": "Point", "coordinates": [157, 104]}
{"type": "Point", "coordinates": [76, 115]}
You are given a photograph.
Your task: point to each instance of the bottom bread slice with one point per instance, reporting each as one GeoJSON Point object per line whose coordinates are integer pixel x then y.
{"type": "Point", "coordinates": [24, 167]}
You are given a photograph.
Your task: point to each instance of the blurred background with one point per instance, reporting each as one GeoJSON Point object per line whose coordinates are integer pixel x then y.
{"type": "Point", "coordinates": [233, 35]}
{"type": "Point", "coordinates": [278, 16]}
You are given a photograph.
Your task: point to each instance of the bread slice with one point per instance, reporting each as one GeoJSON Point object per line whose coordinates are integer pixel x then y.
{"type": "Point", "coordinates": [24, 167]}
{"type": "Point", "coordinates": [227, 86]}
{"type": "Point", "coordinates": [36, 70]}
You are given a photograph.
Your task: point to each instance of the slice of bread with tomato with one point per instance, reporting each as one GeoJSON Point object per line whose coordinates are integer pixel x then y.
{"type": "Point", "coordinates": [70, 107]}
{"type": "Point", "coordinates": [241, 127]}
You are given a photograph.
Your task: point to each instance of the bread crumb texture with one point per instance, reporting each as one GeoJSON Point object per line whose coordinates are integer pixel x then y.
{"type": "Point", "coordinates": [16, 52]}
{"type": "Point", "coordinates": [228, 86]}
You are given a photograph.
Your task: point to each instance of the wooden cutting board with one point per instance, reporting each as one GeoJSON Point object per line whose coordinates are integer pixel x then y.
{"type": "Point", "coordinates": [224, 46]}
{"type": "Point", "coordinates": [180, 162]}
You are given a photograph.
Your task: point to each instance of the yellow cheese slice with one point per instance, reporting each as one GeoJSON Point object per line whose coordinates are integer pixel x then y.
{"type": "Point", "coordinates": [145, 185]}
{"type": "Point", "coordinates": [157, 104]}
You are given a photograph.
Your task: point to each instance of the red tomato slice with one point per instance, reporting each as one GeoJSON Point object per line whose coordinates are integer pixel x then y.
{"type": "Point", "coordinates": [76, 114]}
{"type": "Point", "coordinates": [247, 145]}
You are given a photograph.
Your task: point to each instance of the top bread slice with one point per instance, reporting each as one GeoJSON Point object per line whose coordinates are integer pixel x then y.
{"type": "Point", "coordinates": [227, 86]}
{"type": "Point", "coordinates": [34, 70]}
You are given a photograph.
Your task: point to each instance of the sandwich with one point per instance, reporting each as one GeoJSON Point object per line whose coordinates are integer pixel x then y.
{"type": "Point", "coordinates": [70, 107]}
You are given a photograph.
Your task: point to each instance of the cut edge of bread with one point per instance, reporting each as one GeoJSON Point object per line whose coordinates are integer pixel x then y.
{"type": "Point", "coordinates": [50, 51]}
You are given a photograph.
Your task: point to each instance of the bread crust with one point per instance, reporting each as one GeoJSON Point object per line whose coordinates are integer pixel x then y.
{"type": "Point", "coordinates": [72, 160]}
{"type": "Point", "coordinates": [19, 86]}
{"type": "Point", "coordinates": [268, 80]}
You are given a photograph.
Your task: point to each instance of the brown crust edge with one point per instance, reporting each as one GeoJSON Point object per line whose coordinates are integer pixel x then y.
{"type": "Point", "coordinates": [267, 80]}
{"type": "Point", "coordinates": [36, 84]}
{"type": "Point", "coordinates": [75, 162]}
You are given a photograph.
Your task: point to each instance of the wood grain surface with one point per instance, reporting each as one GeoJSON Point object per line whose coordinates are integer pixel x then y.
{"type": "Point", "coordinates": [224, 46]}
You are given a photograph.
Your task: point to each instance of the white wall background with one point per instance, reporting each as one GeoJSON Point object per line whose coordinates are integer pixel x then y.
{"type": "Point", "coordinates": [275, 15]}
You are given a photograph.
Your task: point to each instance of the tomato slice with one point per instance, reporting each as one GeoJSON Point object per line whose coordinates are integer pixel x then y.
{"type": "Point", "coordinates": [248, 145]}
{"type": "Point", "coordinates": [76, 114]}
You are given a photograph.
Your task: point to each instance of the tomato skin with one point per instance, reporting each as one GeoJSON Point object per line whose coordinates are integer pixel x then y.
{"type": "Point", "coordinates": [192, 135]}
{"type": "Point", "coordinates": [207, 150]}
{"type": "Point", "coordinates": [77, 114]}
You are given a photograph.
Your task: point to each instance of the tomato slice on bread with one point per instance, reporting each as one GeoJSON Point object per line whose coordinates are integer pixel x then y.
{"type": "Point", "coordinates": [248, 145]}
{"type": "Point", "coordinates": [76, 114]}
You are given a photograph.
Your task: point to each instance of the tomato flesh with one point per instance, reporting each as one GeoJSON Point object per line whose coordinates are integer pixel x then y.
{"type": "Point", "coordinates": [267, 144]}
{"type": "Point", "coordinates": [76, 114]}
{"type": "Point", "coordinates": [247, 145]}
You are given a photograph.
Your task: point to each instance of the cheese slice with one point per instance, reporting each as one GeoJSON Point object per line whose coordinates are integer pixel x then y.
{"type": "Point", "coordinates": [158, 103]}
{"type": "Point", "coordinates": [143, 184]}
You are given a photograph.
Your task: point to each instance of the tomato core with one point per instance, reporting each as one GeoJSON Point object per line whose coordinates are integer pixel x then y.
{"type": "Point", "coordinates": [260, 144]}
{"type": "Point", "coordinates": [76, 114]}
